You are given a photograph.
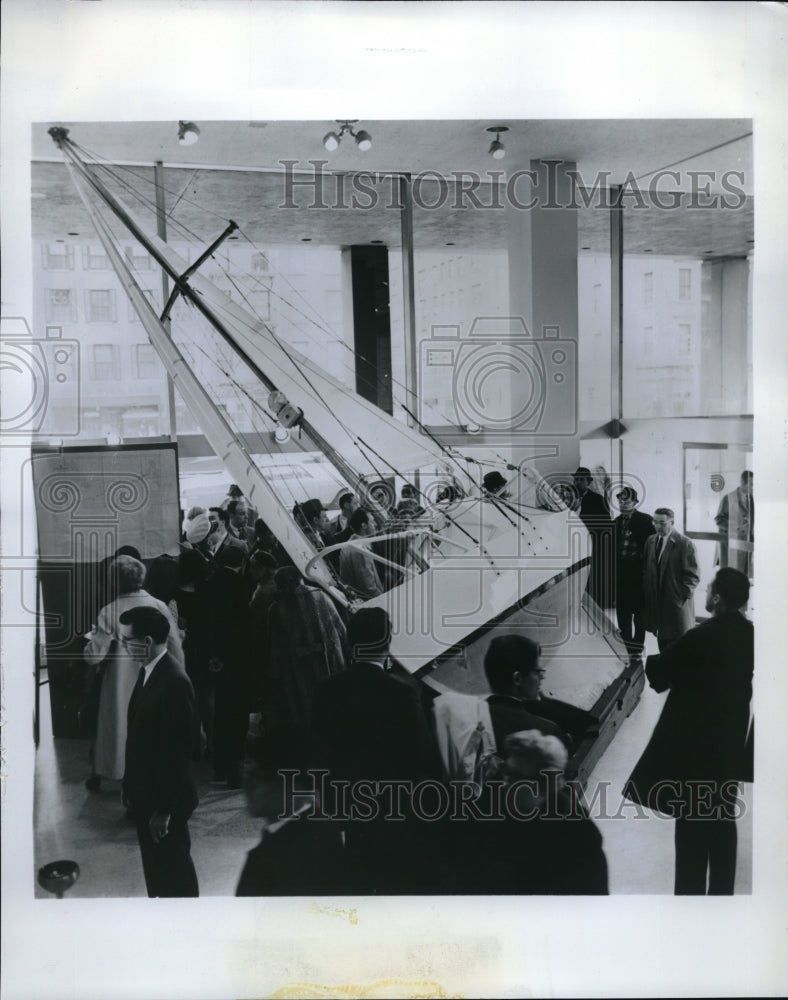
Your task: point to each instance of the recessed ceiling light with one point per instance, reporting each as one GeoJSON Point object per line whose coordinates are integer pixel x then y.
{"type": "Point", "coordinates": [648, 251]}
{"type": "Point", "coordinates": [73, 234]}
{"type": "Point", "coordinates": [585, 248]}
{"type": "Point", "coordinates": [376, 241]}
{"type": "Point", "coordinates": [708, 251]}
{"type": "Point", "coordinates": [306, 239]}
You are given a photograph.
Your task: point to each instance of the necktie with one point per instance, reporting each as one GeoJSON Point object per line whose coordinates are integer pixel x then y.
{"type": "Point", "coordinates": [659, 547]}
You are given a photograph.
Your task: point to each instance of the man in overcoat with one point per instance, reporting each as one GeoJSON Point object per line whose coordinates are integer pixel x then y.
{"type": "Point", "coordinates": [670, 576]}
{"type": "Point", "coordinates": [697, 753]}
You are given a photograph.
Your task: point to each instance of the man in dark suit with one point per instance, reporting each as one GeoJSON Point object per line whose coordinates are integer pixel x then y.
{"type": "Point", "coordinates": [632, 528]}
{"type": "Point", "coordinates": [158, 785]}
{"type": "Point", "coordinates": [697, 753]}
{"type": "Point", "coordinates": [511, 664]}
{"type": "Point", "coordinates": [369, 726]}
{"type": "Point", "coordinates": [670, 576]}
{"type": "Point", "coordinates": [593, 511]}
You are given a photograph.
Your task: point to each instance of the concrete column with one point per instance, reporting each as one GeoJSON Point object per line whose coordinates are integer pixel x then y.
{"type": "Point", "coordinates": [542, 244]}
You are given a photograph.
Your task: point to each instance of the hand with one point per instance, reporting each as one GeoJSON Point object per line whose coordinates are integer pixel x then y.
{"type": "Point", "coordinates": [159, 826]}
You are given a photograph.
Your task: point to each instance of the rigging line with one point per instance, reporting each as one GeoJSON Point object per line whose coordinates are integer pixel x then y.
{"type": "Point", "coordinates": [432, 437]}
{"type": "Point", "coordinates": [324, 327]}
{"type": "Point", "coordinates": [129, 188]}
{"type": "Point", "coordinates": [180, 196]}
{"type": "Point", "coordinates": [297, 441]}
{"type": "Point", "coordinates": [368, 382]}
{"type": "Point", "coordinates": [302, 374]}
{"type": "Point", "coordinates": [447, 516]}
{"type": "Point", "coordinates": [694, 156]}
{"type": "Point", "coordinates": [280, 345]}
{"type": "Point", "coordinates": [109, 166]}
{"type": "Point", "coordinates": [278, 340]}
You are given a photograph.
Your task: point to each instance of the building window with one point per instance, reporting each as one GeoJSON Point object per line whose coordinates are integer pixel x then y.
{"type": "Point", "coordinates": [648, 342]}
{"type": "Point", "coordinates": [146, 361]}
{"type": "Point", "coordinates": [94, 260]}
{"type": "Point", "coordinates": [685, 338]}
{"type": "Point", "coordinates": [685, 283]}
{"type": "Point", "coordinates": [61, 305]}
{"type": "Point", "coordinates": [59, 257]}
{"type": "Point", "coordinates": [152, 297]}
{"type": "Point", "coordinates": [138, 260]}
{"type": "Point", "coordinates": [101, 305]}
{"type": "Point", "coordinates": [648, 288]}
{"type": "Point", "coordinates": [260, 263]}
{"type": "Point", "coordinates": [104, 366]}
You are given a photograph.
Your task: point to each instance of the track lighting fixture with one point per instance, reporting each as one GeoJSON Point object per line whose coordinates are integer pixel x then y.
{"type": "Point", "coordinates": [188, 133]}
{"type": "Point", "coordinates": [497, 149]}
{"type": "Point", "coordinates": [331, 140]}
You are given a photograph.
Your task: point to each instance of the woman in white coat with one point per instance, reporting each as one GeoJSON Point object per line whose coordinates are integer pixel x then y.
{"type": "Point", "coordinates": [127, 576]}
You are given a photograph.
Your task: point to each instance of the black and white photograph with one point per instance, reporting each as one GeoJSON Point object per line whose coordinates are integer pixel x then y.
{"type": "Point", "coordinates": [379, 549]}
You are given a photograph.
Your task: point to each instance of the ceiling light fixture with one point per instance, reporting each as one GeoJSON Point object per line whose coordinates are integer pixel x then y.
{"type": "Point", "coordinates": [331, 140]}
{"type": "Point", "coordinates": [188, 133]}
{"type": "Point", "coordinates": [497, 149]}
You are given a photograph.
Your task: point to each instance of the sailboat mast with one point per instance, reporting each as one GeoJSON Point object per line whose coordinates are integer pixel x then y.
{"type": "Point", "coordinates": [61, 140]}
{"type": "Point", "coordinates": [219, 433]}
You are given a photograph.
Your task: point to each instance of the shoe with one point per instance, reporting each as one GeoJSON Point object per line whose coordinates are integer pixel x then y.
{"type": "Point", "coordinates": [93, 783]}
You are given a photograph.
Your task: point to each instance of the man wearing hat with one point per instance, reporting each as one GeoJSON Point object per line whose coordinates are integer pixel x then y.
{"type": "Point", "coordinates": [632, 528]}
{"type": "Point", "coordinates": [495, 485]}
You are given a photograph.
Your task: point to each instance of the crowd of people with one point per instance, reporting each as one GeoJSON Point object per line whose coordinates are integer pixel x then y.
{"type": "Point", "coordinates": [228, 631]}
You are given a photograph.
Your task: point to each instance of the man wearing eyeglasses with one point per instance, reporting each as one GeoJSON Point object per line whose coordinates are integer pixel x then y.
{"type": "Point", "coordinates": [158, 784]}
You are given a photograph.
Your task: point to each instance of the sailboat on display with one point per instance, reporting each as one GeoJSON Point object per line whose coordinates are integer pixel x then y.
{"type": "Point", "coordinates": [470, 564]}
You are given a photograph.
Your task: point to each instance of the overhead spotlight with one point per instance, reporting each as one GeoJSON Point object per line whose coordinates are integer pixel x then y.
{"type": "Point", "coordinates": [188, 133]}
{"type": "Point", "coordinates": [497, 149]}
{"type": "Point", "coordinates": [331, 140]}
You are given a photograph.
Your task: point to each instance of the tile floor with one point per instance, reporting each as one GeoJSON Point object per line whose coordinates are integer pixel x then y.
{"type": "Point", "coordinates": [91, 829]}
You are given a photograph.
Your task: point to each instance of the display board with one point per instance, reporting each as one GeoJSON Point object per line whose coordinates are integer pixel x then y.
{"type": "Point", "coordinates": [89, 501]}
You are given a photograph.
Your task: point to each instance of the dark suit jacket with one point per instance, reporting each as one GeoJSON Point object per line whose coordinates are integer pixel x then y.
{"type": "Point", "coordinates": [161, 720]}
{"type": "Point", "coordinates": [510, 715]}
{"type": "Point", "coordinates": [669, 587]}
{"type": "Point", "coordinates": [702, 732]}
{"type": "Point", "coordinates": [367, 724]}
{"type": "Point", "coordinates": [642, 527]}
{"type": "Point", "coordinates": [593, 511]}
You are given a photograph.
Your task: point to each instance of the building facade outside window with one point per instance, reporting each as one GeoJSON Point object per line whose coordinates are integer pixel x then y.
{"type": "Point", "coordinates": [104, 363]}
{"type": "Point", "coordinates": [61, 305]}
{"type": "Point", "coordinates": [59, 257]}
{"type": "Point", "coordinates": [101, 305]}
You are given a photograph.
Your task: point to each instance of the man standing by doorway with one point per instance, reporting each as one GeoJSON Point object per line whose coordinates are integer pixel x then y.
{"type": "Point", "coordinates": [158, 784]}
{"type": "Point", "coordinates": [670, 576]}
{"type": "Point", "coordinates": [735, 521]}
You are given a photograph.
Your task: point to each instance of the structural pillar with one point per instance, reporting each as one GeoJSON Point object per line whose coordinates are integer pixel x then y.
{"type": "Point", "coordinates": [542, 244]}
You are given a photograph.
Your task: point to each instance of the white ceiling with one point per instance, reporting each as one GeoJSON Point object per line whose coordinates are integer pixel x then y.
{"type": "Point", "coordinates": [246, 182]}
